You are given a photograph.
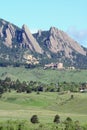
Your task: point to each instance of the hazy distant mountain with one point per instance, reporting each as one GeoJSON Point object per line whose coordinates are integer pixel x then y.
{"type": "Point", "coordinates": [19, 45]}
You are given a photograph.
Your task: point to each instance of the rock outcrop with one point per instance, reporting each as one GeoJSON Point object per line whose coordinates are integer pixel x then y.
{"type": "Point", "coordinates": [57, 41]}
{"type": "Point", "coordinates": [53, 45]}
{"type": "Point", "coordinates": [30, 40]}
{"type": "Point", "coordinates": [7, 33]}
{"type": "Point", "coordinates": [1, 34]}
{"type": "Point", "coordinates": [11, 35]}
{"type": "Point", "coordinates": [8, 39]}
{"type": "Point", "coordinates": [60, 41]}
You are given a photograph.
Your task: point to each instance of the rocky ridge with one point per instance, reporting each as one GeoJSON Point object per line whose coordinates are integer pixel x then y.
{"type": "Point", "coordinates": [58, 41]}
{"type": "Point", "coordinates": [30, 40]}
{"type": "Point", "coordinates": [45, 46]}
{"type": "Point", "coordinates": [9, 32]}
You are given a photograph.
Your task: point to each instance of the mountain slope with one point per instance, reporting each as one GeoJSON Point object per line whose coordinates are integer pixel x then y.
{"type": "Point", "coordinates": [10, 32]}
{"type": "Point", "coordinates": [19, 45]}
{"type": "Point", "coordinates": [58, 45]}
{"type": "Point", "coordinates": [15, 43]}
{"type": "Point", "coordinates": [57, 40]}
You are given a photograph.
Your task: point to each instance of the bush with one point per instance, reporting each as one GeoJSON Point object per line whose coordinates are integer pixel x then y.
{"type": "Point", "coordinates": [72, 96]}
{"type": "Point", "coordinates": [38, 92]}
{"type": "Point", "coordinates": [57, 119]}
{"type": "Point", "coordinates": [34, 119]}
{"type": "Point", "coordinates": [68, 119]}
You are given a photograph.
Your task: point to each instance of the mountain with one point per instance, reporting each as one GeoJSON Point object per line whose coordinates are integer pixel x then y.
{"type": "Point", "coordinates": [19, 45]}
{"type": "Point", "coordinates": [11, 34]}
{"type": "Point", "coordinates": [60, 47]}
{"type": "Point", "coordinates": [16, 44]}
{"type": "Point", "coordinates": [57, 41]}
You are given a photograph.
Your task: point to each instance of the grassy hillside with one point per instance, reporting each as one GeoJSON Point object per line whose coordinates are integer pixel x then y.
{"type": "Point", "coordinates": [45, 105]}
{"type": "Point", "coordinates": [45, 76]}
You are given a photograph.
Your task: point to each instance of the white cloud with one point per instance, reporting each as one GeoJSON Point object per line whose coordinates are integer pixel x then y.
{"type": "Point", "coordinates": [79, 35]}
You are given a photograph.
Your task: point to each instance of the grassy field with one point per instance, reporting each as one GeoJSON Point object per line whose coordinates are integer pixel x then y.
{"type": "Point", "coordinates": [45, 76]}
{"type": "Point", "coordinates": [21, 106]}
{"type": "Point", "coordinates": [46, 105]}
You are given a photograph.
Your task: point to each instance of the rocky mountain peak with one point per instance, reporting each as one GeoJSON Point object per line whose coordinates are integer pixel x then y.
{"type": "Point", "coordinates": [12, 30]}
{"type": "Point", "coordinates": [52, 44]}
{"type": "Point", "coordinates": [2, 22]}
{"type": "Point", "coordinates": [39, 33]}
{"type": "Point", "coordinates": [7, 32]}
{"type": "Point", "coordinates": [25, 28]}
{"type": "Point", "coordinates": [10, 34]}
{"type": "Point", "coordinates": [60, 41]}
{"type": "Point", "coordinates": [33, 44]}
{"type": "Point", "coordinates": [53, 30]}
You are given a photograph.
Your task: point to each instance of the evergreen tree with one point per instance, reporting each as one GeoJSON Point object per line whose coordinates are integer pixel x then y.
{"type": "Point", "coordinates": [57, 119]}
{"type": "Point", "coordinates": [34, 119]}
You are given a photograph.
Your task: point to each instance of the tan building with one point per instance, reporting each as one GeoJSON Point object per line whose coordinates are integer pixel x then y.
{"type": "Point", "coordinates": [60, 66]}
{"type": "Point", "coordinates": [54, 66]}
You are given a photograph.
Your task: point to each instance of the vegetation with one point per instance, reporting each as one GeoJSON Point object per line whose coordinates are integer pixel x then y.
{"type": "Point", "coordinates": [57, 119]}
{"type": "Point", "coordinates": [46, 105]}
{"type": "Point", "coordinates": [34, 119]}
{"type": "Point", "coordinates": [7, 85]}
{"type": "Point", "coordinates": [59, 105]}
{"type": "Point", "coordinates": [16, 110]}
{"type": "Point", "coordinates": [25, 125]}
{"type": "Point", "coordinates": [45, 76]}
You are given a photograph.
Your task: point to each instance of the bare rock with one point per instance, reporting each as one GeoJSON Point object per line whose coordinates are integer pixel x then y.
{"type": "Point", "coordinates": [33, 44]}
{"type": "Point", "coordinates": [60, 41]}
{"type": "Point", "coordinates": [39, 33]}
{"type": "Point", "coordinates": [8, 39]}
{"type": "Point", "coordinates": [1, 34]}
{"type": "Point", "coordinates": [10, 33]}
{"type": "Point", "coordinates": [12, 30]}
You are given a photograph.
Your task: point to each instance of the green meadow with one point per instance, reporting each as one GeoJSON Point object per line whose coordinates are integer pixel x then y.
{"type": "Point", "coordinates": [18, 108]}
{"type": "Point", "coordinates": [21, 106]}
{"type": "Point", "coordinates": [44, 76]}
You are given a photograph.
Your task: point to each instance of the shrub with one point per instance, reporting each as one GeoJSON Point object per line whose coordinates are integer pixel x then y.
{"type": "Point", "coordinates": [34, 119]}
{"type": "Point", "coordinates": [57, 119]}
{"type": "Point", "coordinates": [72, 96]}
{"type": "Point", "coordinates": [68, 119]}
{"type": "Point", "coordinates": [38, 92]}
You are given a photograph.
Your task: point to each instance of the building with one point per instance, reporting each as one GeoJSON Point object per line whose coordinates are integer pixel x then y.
{"type": "Point", "coordinates": [60, 66]}
{"type": "Point", "coordinates": [54, 66]}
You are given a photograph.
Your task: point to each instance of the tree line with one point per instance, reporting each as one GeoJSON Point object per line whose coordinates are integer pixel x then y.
{"type": "Point", "coordinates": [7, 85]}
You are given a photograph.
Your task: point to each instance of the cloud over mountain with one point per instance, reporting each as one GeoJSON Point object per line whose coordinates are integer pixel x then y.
{"type": "Point", "coordinates": [79, 35]}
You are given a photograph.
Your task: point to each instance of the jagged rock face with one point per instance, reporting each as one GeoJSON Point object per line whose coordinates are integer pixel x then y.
{"type": "Point", "coordinates": [30, 40]}
{"type": "Point", "coordinates": [58, 41]}
{"type": "Point", "coordinates": [10, 34]}
{"type": "Point", "coordinates": [1, 34]}
{"type": "Point", "coordinates": [8, 39]}
{"type": "Point", "coordinates": [7, 33]}
{"type": "Point", "coordinates": [22, 37]}
{"type": "Point", "coordinates": [61, 41]}
{"type": "Point", "coordinates": [39, 33]}
{"type": "Point", "coordinates": [53, 45]}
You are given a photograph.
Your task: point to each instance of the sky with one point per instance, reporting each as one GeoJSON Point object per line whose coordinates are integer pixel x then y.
{"type": "Point", "coordinates": [67, 15]}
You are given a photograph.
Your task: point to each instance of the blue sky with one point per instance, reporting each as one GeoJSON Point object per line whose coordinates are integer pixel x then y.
{"type": "Point", "coordinates": [67, 15]}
